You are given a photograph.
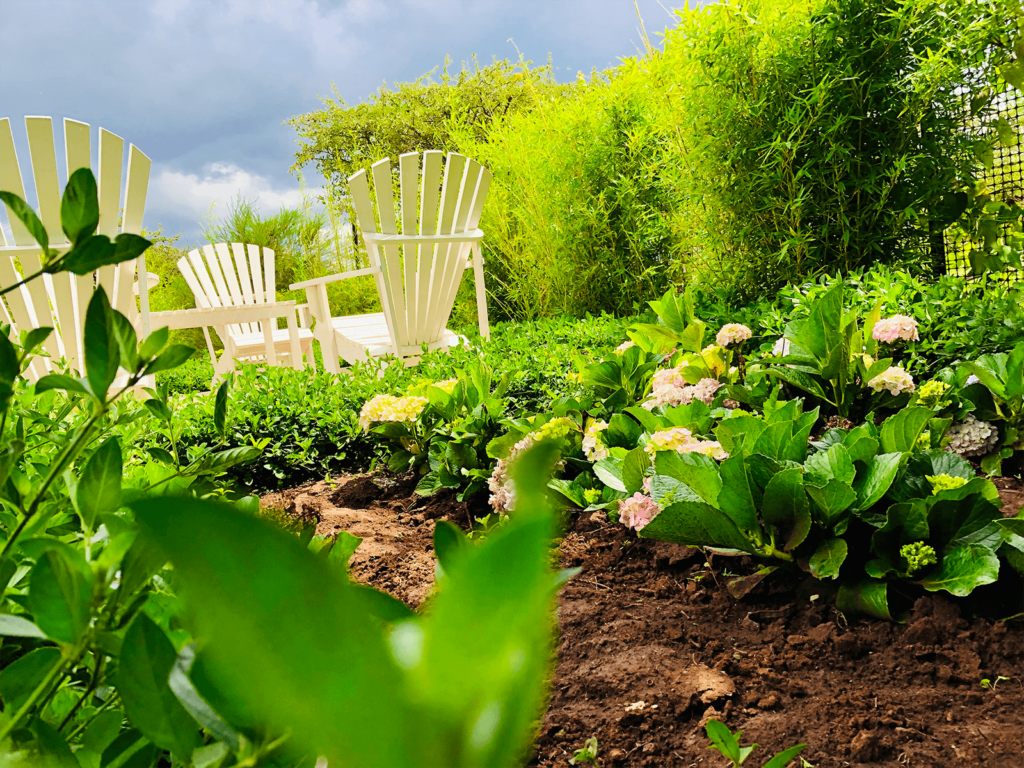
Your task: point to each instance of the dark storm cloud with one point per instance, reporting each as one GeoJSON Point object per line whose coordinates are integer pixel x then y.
{"type": "Point", "coordinates": [203, 86]}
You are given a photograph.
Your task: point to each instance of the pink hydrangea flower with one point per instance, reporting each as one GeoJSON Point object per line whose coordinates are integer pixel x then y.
{"type": "Point", "coordinates": [637, 511]}
{"type": "Point", "coordinates": [889, 329]}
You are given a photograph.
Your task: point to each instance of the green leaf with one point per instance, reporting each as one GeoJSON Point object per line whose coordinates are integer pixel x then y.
{"type": "Point", "coordinates": [867, 596]}
{"type": "Point", "coordinates": [697, 471]}
{"type": "Point", "coordinates": [1013, 73]}
{"type": "Point", "coordinates": [876, 479]}
{"type": "Point", "coordinates": [129, 246]}
{"type": "Point", "coordinates": [101, 352]}
{"type": "Point", "coordinates": [147, 658]}
{"type": "Point", "coordinates": [155, 342]}
{"type": "Point", "coordinates": [861, 443]}
{"type": "Point", "coordinates": [9, 367]}
{"type": "Point", "coordinates": [55, 750]}
{"type": "Point", "coordinates": [261, 600]}
{"type": "Point", "coordinates": [20, 209]}
{"type": "Point", "coordinates": [828, 558]}
{"type": "Point", "coordinates": [99, 487]}
{"type": "Point", "coordinates": [774, 441]}
{"type": "Point", "coordinates": [800, 380]}
{"type": "Point", "coordinates": [158, 408]}
{"type": "Point", "coordinates": [16, 626]}
{"type": "Point", "coordinates": [786, 506]}
{"type": "Point", "coordinates": [486, 637]}
{"type": "Point", "coordinates": [130, 750]}
{"type": "Point", "coordinates": [834, 463]}
{"type": "Point", "coordinates": [102, 731]}
{"type": "Point", "coordinates": [696, 524]}
{"type": "Point", "coordinates": [1015, 372]}
{"type": "Point", "coordinates": [740, 496]}
{"type": "Point", "coordinates": [172, 357]}
{"type": "Point", "coordinates": [344, 547]}
{"type": "Point", "coordinates": [34, 338]}
{"type": "Point", "coordinates": [450, 543]}
{"type": "Point", "coordinates": [60, 589]}
{"type": "Point", "coordinates": [90, 254]}
{"type": "Point", "coordinates": [785, 757]}
{"type": "Point", "coordinates": [899, 433]}
{"type": "Point", "coordinates": [724, 741]}
{"type": "Point", "coordinates": [80, 207]}
{"type": "Point", "coordinates": [1004, 130]}
{"type": "Point", "coordinates": [220, 409]}
{"type": "Point", "coordinates": [60, 381]}
{"type": "Point", "coordinates": [609, 472]}
{"type": "Point", "coordinates": [622, 431]}
{"type": "Point", "coordinates": [193, 703]}
{"type": "Point", "coordinates": [383, 606]}
{"type": "Point", "coordinates": [19, 678]}
{"type": "Point", "coordinates": [962, 569]}
{"type": "Point", "coordinates": [634, 469]}
{"type": "Point", "coordinates": [954, 521]}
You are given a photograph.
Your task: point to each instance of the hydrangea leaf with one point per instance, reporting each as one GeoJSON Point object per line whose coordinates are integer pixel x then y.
{"type": "Point", "coordinates": [697, 471]}
{"type": "Point", "coordinates": [832, 499]}
{"type": "Point", "coordinates": [740, 497]}
{"type": "Point", "coordinates": [899, 433]}
{"type": "Point", "coordinates": [867, 596]}
{"type": "Point", "coordinates": [696, 524]}
{"type": "Point", "coordinates": [834, 463]}
{"type": "Point", "coordinates": [786, 506]}
{"type": "Point", "coordinates": [962, 569]}
{"type": "Point", "coordinates": [875, 481]}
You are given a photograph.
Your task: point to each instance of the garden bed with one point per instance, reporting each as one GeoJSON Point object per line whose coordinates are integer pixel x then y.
{"type": "Point", "coordinates": [652, 645]}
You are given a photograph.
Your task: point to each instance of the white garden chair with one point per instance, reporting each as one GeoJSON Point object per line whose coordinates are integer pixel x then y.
{"type": "Point", "coordinates": [59, 301]}
{"type": "Point", "coordinates": [238, 297]}
{"type": "Point", "coordinates": [417, 272]}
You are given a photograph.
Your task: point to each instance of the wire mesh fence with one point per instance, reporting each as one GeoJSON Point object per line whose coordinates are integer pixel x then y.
{"type": "Point", "coordinates": [1005, 181]}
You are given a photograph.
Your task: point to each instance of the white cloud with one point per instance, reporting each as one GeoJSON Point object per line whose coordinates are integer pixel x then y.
{"type": "Point", "coordinates": [190, 196]}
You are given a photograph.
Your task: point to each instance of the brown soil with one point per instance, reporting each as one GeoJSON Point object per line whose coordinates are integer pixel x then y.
{"type": "Point", "coordinates": [1011, 491]}
{"type": "Point", "coordinates": [652, 645]}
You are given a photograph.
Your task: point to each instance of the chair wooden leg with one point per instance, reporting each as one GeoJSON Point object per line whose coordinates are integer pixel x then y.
{"type": "Point", "coordinates": [481, 292]}
{"type": "Point", "coordinates": [293, 342]}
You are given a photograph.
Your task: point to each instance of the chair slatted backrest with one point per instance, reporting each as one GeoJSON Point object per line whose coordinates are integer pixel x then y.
{"type": "Point", "coordinates": [418, 281]}
{"type": "Point", "coordinates": [218, 280]}
{"type": "Point", "coordinates": [60, 300]}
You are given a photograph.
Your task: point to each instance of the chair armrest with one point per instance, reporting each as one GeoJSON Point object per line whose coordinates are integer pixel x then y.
{"type": "Point", "coordinates": [201, 317]}
{"type": "Point", "coordinates": [470, 236]}
{"type": "Point", "coordinates": [333, 278]}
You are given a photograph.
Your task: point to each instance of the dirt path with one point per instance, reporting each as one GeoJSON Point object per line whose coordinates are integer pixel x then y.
{"type": "Point", "coordinates": [651, 647]}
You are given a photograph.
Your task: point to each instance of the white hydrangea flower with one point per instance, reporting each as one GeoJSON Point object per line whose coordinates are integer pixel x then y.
{"type": "Point", "coordinates": [623, 347]}
{"type": "Point", "coordinates": [781, 347]}
{"type": "Point", "coordinates": [893, 379]}
{"type": "Point", "coordinates": [593, 446]}
{"type": "Point", "coordinates": [448, 385]}
{"type": "Point", "coordinates": [732, 333]}
{"type": "Point", "coordinates": [390, 408]}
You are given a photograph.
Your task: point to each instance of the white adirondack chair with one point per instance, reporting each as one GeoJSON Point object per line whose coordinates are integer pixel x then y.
{"type": "Point", "coordinates": [249, 330]}
{"type": "Point", "coordinates": [60, 301]}
{"type": "Point", "coordinates": [418, 271]}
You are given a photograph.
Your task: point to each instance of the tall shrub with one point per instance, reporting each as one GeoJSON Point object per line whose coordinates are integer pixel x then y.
{"type": "Point", "coordinates": [823, 137]}
{"type": "Point", "coordinates": [578, 215]}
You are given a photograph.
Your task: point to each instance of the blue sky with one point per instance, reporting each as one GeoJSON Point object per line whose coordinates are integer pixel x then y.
{"type": "Point", "coordinates": [204, 86]}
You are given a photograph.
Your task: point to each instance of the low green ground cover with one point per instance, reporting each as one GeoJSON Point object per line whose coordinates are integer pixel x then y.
{"type": "Point", "coordinates": [307, 425]}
